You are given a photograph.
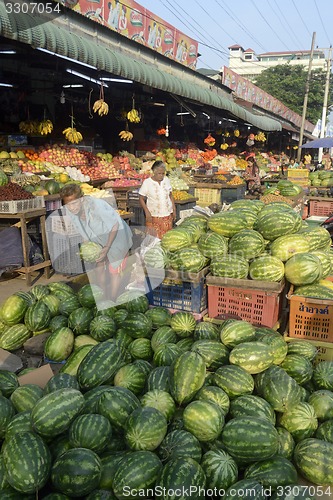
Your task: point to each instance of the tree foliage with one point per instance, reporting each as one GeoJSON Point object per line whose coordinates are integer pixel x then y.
{"type": "Point", "coordinates": [287, 83]}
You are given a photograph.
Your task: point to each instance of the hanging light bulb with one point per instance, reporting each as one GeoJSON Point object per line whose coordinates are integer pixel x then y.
{"type": "Point", "coordinates": [167, 126]}
{"type": "Point", "coordinates": [62, 98]}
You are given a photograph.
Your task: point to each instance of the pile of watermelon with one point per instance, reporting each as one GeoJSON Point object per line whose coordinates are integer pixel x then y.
{"type": "Point", "coordinates": [150, 402]}
{"type": "Point", "coordinates": [250, 241]}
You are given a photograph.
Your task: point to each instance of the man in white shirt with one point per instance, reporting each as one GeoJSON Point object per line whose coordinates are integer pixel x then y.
{"type": "Point", "coordinates": [157, 202]}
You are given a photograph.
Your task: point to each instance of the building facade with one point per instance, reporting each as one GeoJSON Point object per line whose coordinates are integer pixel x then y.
{"type": "Point", "coordinates": [249, 64]}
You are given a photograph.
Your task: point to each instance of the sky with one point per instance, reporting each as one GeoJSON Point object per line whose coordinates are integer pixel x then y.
{"type": "Point", "coordinates": [263, 25]}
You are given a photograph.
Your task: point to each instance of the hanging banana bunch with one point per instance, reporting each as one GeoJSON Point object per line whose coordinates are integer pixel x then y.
{"type": "Point", "coordinates": [126, 135]}
{"type": "Point", "coordinates": [29, 127]}
{"type": "Point", "coordinates": [133, 115]}
{"type": "Point", "coordinates": [72, 135]}
{"type": "Point", "coordinates": [45, 126]}
{"type": "Point", "coordinates": [100, 106]}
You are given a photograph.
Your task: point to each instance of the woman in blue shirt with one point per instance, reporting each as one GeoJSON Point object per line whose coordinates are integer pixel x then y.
{"type": "Point", "coordinates": [97, 221]}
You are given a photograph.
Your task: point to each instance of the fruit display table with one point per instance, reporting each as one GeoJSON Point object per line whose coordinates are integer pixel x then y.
{"type": "Point", "coordinates": [24, 219]}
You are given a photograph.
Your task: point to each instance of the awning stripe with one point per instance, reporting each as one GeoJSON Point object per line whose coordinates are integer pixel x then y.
{"type": "Point", "coordinates": [28, 29]}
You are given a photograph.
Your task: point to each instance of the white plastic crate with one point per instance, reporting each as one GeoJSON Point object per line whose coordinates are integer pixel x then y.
{"type": "Point", "coordinates": [62, 224]}
{"type": "Point", "coordinates": [64, 253]}
{"type": "Point", "coordinates": [18, 206]}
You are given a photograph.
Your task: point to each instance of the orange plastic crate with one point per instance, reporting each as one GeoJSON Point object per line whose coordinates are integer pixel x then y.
{"type": "Point", "coordinates": [259, 307]}
{"type": "Point", "coordinates": [320, 207]}
{"type": "Point", "coordinates": [309, 318]}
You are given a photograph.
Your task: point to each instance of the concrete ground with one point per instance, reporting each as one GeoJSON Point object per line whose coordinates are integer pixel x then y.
{"type": "Point", "coordinates": [13, 282]}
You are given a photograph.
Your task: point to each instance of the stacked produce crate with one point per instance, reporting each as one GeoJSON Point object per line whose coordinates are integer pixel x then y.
{"type": "Point", "coordinates": [299, 176]}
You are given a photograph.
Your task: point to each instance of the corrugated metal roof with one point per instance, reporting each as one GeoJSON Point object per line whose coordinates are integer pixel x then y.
{"type": "Point", "coordinates": [26, 29]}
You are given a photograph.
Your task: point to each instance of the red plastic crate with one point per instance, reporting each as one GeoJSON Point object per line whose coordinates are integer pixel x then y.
{"type": "Point", "coordinates": [259, 307]}
{"type": "Point", "coordinates": [320, 207]}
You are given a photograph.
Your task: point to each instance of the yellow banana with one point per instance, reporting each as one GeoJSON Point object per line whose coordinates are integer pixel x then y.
{"type": "Point", "coordinates": [101, 107]}
{"type": "Point", "coordinates": [133, 116]}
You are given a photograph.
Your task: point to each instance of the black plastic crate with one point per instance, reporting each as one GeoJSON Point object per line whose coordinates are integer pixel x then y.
{"type": "Point", "coordinates": [184, 206]}
{"type": "Point", "coordinates": [231, 194]}
{"type": "Point", "coordinates": [138, 218]}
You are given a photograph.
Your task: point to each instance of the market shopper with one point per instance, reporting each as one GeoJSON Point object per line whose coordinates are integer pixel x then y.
{"type": "Point", "coordinates": [156, 199]}
{"type": "Point", "coordinates": [97, 221]}
{"type": "Point", "coordinates": [251, 175]}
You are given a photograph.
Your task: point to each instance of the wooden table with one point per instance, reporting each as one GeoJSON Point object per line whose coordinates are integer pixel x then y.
{"type": "Point", "coordinates": [24, 218]}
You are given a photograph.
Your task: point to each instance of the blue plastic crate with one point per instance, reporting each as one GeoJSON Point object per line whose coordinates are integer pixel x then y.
{"type": "Point", "coordinates": [188, 296]}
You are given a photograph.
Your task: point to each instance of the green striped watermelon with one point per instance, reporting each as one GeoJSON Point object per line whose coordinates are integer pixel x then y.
{"type": "Point", "coordinates": [140, 349]}
{"type": "Point", "coordinates": [155, 257]}
{"type": "Point", "coordinates": [116, 404]}
{"type": "Point", "coordinates": [68, 305]}
{"type": "Point", "coordinates": [58, 322]}
{"type": "Point", "coordinates": [8, 382]}
{"type": "Point", "coordinates": [158, 378]}
{"type": "Point", "coordinates": [110, 461]}
{"type": "Point", "coordinates": [298, 367]}
{"type": "Point", "coordinates": [37, 317]}
{"type": "Point", "coordinates": [82, 340]}
{"type": "Point", "coordinates": [7, 412]}
{"type": "Point", "coordinates": [89, 295]}
{"type": "Point", "coordinates": [137, 471]}
{"type": "Point", "coordinates": [187, 376]}
{"type": "Point", "coordinates": [52, 302]}
{"type": "Point", "coordinates": [161, 400]}
{"type": "Point", "coordinates": [324, 431]}
{"type": "Point", "coordinates": [40, 291]}
{"type": "Point", "coordinates": [251, 405]}
{"type": "Point", "coordinates": [215, 395]}
{"type": "Point", "coordinates": [99, 365]}
{"type": "Point", "coordinates": [303, 269]}
{"type": "Point", "coordinates": [185, 344]}
{"type": "Point", "coordinates": [61, 289]}
{"type": "Point", "coordinates": [14, 337]}
{"type": "Point", "coordinates": [59, 344]}
{"type": "Point", "coordinates": [27, 296]}
{"type": "Point", "coordinates": [288, 245]}
{"type": "Point", "coordinates": [322, 402]}
{"type": "Point", "coordinates": [254, 357]}
{"type": "Point", "coordinates": [212, 245]}
{"type": "Point", "coordinates": [266, 268]}
{"type": "Point", "coordinates": [227, 223]}
{"type": "Point", "coordinates": [175, 239]}
{"type": "Point", "coordinates": [189, 260]}
{"type": "Point", "coordinates": [248, 243]}
{"type": "Point", "coordinates": [278, 388]}
{"type": "Point", "coordinates": [278, 223]}
{"type": "Point", "coordinates": [205, 330]}
{"type": "Point", "coordinates": [183, 324]}
{"type": "Point", "coordinates": [61, 381]}
{"type": "Point", "coordinates": [21, 422]}
{"type": "Point", "coordinates": [250, 439]}
{"type": "Point", "coordinates": [179, 443]}
{"type": "Point", "coordinates": [27, 461]}
{"type": "Point", "coordinates": [80, 319]}
{"type": "Point", "coordinates": [220, 469]}
{"type": "Point", "coordinates": [325, 262]}
{"type": "Point", "coordinates": [137, 325]}
{"type": "Point", "coordinates": [276, 343]}
{"type": "Point", "coordinates": [163, 335]}
{"type": "Point", "coordinates": [204, 420]}
{"type": "Point", "coordinates": [73, 361]}
{"type": "Point", "coordinates": [231, 266]}
{"type": "Point", "coordinates": [160, 316]}
{"type": "Point", "coordinates": [272, 473]}
{"type": "Point", "coordinates": [165, 354]}
{"type": "Point", "coordinates": [323, 375]}
{"type": "Point", "coordinates": [213, 352]}
{"type": "Point", "coordinates": [132, 377]}
{"type": "Point", "coordinates": [183, 475]}
{"type": "Point", "coordinates": [54, 413]}
{"type": "Point", "coordinates": [245, 489]}
{"type": "Point", "coordinates": [145, 429]}
{"type": "Point", "coordinates": [102, 328]}
{"type": "Point", "coordinates": [286, 443]}
{"type": "Point", "coordinates": [13, 310]}
{"type": "Point", "coordinates": [76, 472]}
{"type": "Point", "coordinates": [234, 380]}
{"type": "Point", "coordinates": [302, 348]}
{"type": "Point", "coordinates": [314, 460]}
{"type": "Point", "coordinates": [25, 397]}
{"type": "Point", "coordinates": [90, 431]}
{"type": "Point", "coordinates": [235, 332]}
{"type": "Point", "coordinates": [300, 421]}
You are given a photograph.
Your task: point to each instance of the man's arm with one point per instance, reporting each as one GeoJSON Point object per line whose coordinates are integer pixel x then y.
{"type": "Point", "coordinates": [174, 212]}
{"type": "Point", "coordinates": [106, 248]}
{"type": "Point", "coordinates": [143, 204]}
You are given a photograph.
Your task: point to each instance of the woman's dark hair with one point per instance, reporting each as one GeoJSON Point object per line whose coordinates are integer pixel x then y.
{"type": "Point", "coordinates": [70, 190]}
{"type": "Point", "coordinates": [157, 164]}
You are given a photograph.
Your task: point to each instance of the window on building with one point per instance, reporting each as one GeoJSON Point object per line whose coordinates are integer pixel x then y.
{"type": "Point", "coordinates": [248, 57]}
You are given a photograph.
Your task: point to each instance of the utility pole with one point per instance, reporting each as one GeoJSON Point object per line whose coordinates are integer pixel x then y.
{"type": "Point", "coordinates": [305, 102]}
{"type": "Point", "coordinates": [323, 116]}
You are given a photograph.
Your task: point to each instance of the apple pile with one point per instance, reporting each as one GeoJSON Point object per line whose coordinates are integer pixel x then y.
{"type": "Point", "coordinates": [64, 156]}
{"type": "Point", "coordinates": [124, 183]}
{"type": "Point", "coordinates": [101, 169]}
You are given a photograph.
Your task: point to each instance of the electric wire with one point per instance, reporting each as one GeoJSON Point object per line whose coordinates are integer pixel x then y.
{"type": "Point", "coordinates": [277, 14]}
{"type": "Point", "coordinates": [321, 20]}
{"type": "Point", "coordinates": [268, 24]}
{"type": "Point", "coordinates": [291, 30]}
{"type": "Point", "coordinates": [301, 18]}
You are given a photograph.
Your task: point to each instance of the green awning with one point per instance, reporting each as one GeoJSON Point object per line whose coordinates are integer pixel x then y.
{"type": "Point", "coordinates": [57, 39]}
